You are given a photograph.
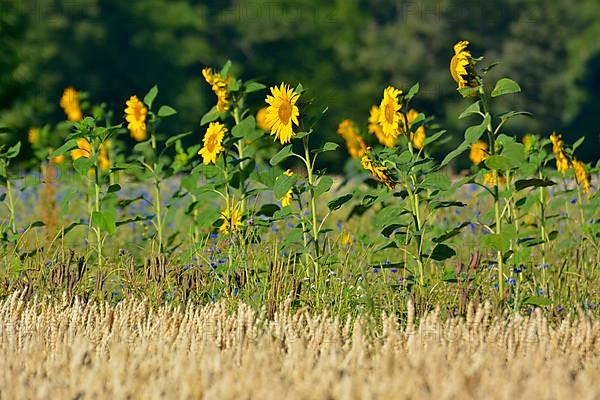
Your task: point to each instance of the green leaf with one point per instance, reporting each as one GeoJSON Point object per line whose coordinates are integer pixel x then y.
{"type": "Point", "coordinates": [82, 165]}
{"type": "Point", "coordinates": [578, 143]}
{"type": "Point", "coordinates": [210, 116]}
{"type": "Point", "coordinates": [508, 115]}
{"type": "Point", "coordinates": [442, 252]}
{"type": "Point", "coordinates": [13, 151]}
{"type": "Point", "coordinates": [412, 92]}
{"type": "Point", "coordinates": [104, 222]}
{"type": "Point", "coordinates": [473, 133]}
{"type": "Point", "coordinates": [505, 86]}
{"type": "Point", "coordinates": [113, 188]}
{"type": "Point", "coordinates": [282, 155]}
{"type": "Point", "coordinates": [329, 146]}
{"type": "Point", "coordinates": [150, 96]}
{"type": "Point", "coordinates": [474, 108]}
{"type": "Point", "coordinates": [68, 146]}
{"type": "Point", "coordinates": [283, 184]}
{"type": "Point", "coordinates": [436, 180]}
{"type": "Point", "coordinates": [323, 185]}
{"type": "Point", "coordinates": [170, 141]}
{"type": "Point", "coordinates": [268, 210]}
{"type": "Point", "coordinates": [501, 163]}
{"type": "Point", "coordinates": [339, 202]}
{"type": "Point", "coordinates": [251, 87]}
{"type": "Point", "coordinates": [468, 91]}
{"type": "Point", "coordinates": [464, 146]}
{"type": "Point", "coordinates": [539, 301]}
{"type": "Point", "coordinates": [432, 138]}
{"type": "Point", "coordinates": [166, 111]}
{"type": "Point", "coordinates": [526, 183]}
{"type": "Point", "coordinates": [246, 127]}
{"type": "Point", "coordinates": [497, 242]}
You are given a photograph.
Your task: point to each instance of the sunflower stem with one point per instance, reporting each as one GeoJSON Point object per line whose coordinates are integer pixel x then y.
{"type": "Point", "coordinates": [313, 203]}
{"type": "Point", "coordinates": [157, 194]}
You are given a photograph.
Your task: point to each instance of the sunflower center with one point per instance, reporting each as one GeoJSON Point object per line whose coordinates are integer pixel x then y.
{"type": "Point", "coordinates": [285, 112]}
{"type": "Point", "coordinates": [389, 112]}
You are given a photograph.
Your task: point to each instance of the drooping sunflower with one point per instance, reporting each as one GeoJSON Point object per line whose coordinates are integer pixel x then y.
{"type": "Point", "coordinates": [417, 138]}
{"type": "Point", "coordinates": [562, 162]}
{"type": "Point", "coordinates": [287, 199]}
{"type": "Point", "coordinates": [219, 86]}
{"type": "Point", "coordinates": [378, 171]}
{"type": "Point", "coordinates": [478, 152]}
{"type": "Point", "coordinates": [232, 220]}
{"type": "Point", "coordinates": [136, 114]}
{"type": "Point", "coordinates": [354, 142]}
{"type": "Point", "coordinates": [488, 179]}
{"type": "Point", "coordinates": [389, 112]}
{"type": "Point", "coordinates": [282, 112]}
{"type": "Point", "coordinates": [581, 175]}
{"type": "Point", "coordinates": [462, 66]}
{"type": "Point", "coordinates": [69, 102]}
{"type": "Point", "coordinates": [213, 139]}
{"type": "Point", "coordinates": [377, 130]}
{"type": "Point", "coordinates": [261, 120]}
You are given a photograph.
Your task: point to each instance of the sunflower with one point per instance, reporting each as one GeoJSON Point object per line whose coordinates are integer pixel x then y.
{"type": "Point", "coordinates": [354, 142]}
{"type": "Point", "coordinates": [261, 120]}
{"type": "Point", "coordinates": [69, 102]}
{"type": "Point", "coordinates": [462, 66]}
{"type": "Point", "coordinates": [581, 175]}
{"type": "Point", "coordinates": [377, 130]}
{"type": "Point", "coordinates": [84, 149]}
{"type": "Point", "coordinates": [389, 112]}
{"type": "Point", "coordinates": [488, 179]}
{"type": "Point", "coordinates": [33, 135]}
{"type": "Point", "coordinates": [417, 138]}
{"type": "Point", "coordinates": [219, 87]}
{"type": "Point", "coordinates": [232, 220]}
{"type": "Point", "coordinates": [136, 114]}
{"type": "Point", "coordinates": [282, 112]}
{"type": "Point", "coordinates": [58, 159]}
{"type": "Point", "coordinates": [287, 199]}
{"type": "Point", "coordinates": [103, 160]}
{"type": "Point", "coordinates": [478, 152]}
{"type": "Point", "coordinates": [378, 172]}
{"type": "Point", "coordinates": [562, 162]}
{"type": "Point", "coordinates": [213, 139]}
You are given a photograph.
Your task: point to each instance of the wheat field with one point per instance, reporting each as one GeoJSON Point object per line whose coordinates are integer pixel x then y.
{"type": "Point", "coordinates": [70, 350]}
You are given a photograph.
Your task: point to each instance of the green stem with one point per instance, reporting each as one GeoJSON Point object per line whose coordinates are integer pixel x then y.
{"type": "Point", "coordinates": [240, 147]}
{"type": "Point", "coordinates": [543, 231]}
{"type": "Point", "coordinates": [11, 206]}
{"type": "Point", "coordinates": [157, 194]}
{"type": "Point", "coordinates": [313, 203]}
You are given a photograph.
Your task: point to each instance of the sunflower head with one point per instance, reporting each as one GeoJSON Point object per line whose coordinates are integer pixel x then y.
{"type": "Point", "coordinates": [389, 112]}
{"type": "Point", "coordinates": [219, 86]}
{"type": "Point", "coordinates": [462, 66]}
{"type": "Point", "coordinates": [261, 120]}
{"type": "Point", "coordinates": [376, 129]}
{"type": "Point", "coordinates": [232, 220]}
{"type": "Point", "coordinates": [69, 102]}
{"type": "Point", "coordinates": [379, 172]}
{"type": "Point", "coordinates": [479, 152]}
{"type": "Point", "coordinates": [84, 149]}
{"type": "Point", "coordinates": [213, 143]}
{"type": "Point", "coordinates": [33, 135]}
{"type": "Point", "coordinates": [354, 142]}
{"type": "Point", "coordinates": [282, 112]}
{"type": "Point", "coordinates": [488, 179]}
{"type": "Point", "coordinates": [135, 115]}
{"type": "Point", "coordinates": [417, 138]}
{"type": "Point", "coordinates": [562, 161]}
{"type": "Point", "coordinates": [581, 175]}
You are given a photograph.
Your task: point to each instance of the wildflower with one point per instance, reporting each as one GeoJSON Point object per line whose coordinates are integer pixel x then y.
{"type": "Point", "coordinates": [136, 114]}
{"type": "Point", "coordinates": [378, 172]}
{"type": "Point", "coordinates": [462, 66]}
{"type": "Point", "coordinates": [354, 142]}
{"type": "Point", "coordinates": [213, 139]}
{"type": "Point", "coordinates": [286, 200]}
{"type": "Point", "coordinates": [488, 179]}
{"type": "Point", "coordinates": [282, 112]}
{"type": "Point", "coordinates": [232, 220]}
{"type": "Point", "coordinates": [389, 112]}
{"type": "Point", "coordinates": [70, 104]}
{"type": "Point", "coordinates": [478, 152]}
{"type": "Point", "coordinates": [511, 281]}
{"type": "Point", "coordinates": [562, 162]}
{"type": "Point", "coordinates": [377, 130]}
{"type": "Point", "coordinates": [261, 120]}
{"type": "Point", "coordinates": [219, 87]}
{"type": "Point", "coordinates": [33, 136]}
{"type": "Point", "coordinates": [417, 138]}
{"type": "Point", "coordinates": [581, 175]}
{"type": "Point", "coordinates": [346, 239]}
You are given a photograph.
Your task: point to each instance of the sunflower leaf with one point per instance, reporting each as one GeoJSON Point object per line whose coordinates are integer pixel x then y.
{"type": "Point", "coordinates": [505, 86]}
{"type": "Point", "coordinates": [150, 96]}
{"type": "Point", "coordinates": [282, 155]}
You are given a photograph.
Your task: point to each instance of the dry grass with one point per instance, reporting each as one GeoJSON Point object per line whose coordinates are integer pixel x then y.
{"type": "Point", "coordinates": [67, 351]}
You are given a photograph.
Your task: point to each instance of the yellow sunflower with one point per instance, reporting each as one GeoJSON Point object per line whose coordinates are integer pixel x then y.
{"type": "Point", "coordinates": [354, 142]}
{"type": "Point", "coordinates": [417, 138]}
{"type": "Point", "coordinates": [219, 87]}
{"type": "Point", "coordinates": [488, 179]}
{"type": "Point", "coordinates": [33, 135]}
{"type": "Point", "coordinates": [462, 66]}
{"type": "Point", "coordinates": [389, 112]}
{"type": "Point", "coordinates": [478, 152]}
{"type": "Point", "coordinates": [377, 130]}
{"type": "Point", "coordinates": [58, 159]}
{"type": "Point", "coordinates": [378, 172]}
{"type": "Point", "coordinates": [562, 162]}
{"type": "Point", "coordinates": [69, 102]}
{"type": "Point", "coordinates": [581, 175]}
{"type": "Point", "coordinates": [261, 120]}
{"type": "Point", "coordinates": [213, 139]}
{"type": "Point", "coordinates": [232, 220]}
{"type": "Point", "coordinates": [287, 199]}
{"type": "Point", "coordinates": [84, 149]}
{"type": "Point", "coordinates": [136, 114]}
{"type": "Point", "coordinates": [282, 112]}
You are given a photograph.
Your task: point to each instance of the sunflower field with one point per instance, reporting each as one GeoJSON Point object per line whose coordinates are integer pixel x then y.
{"type": "Point", "coordinates": [113, 208]}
